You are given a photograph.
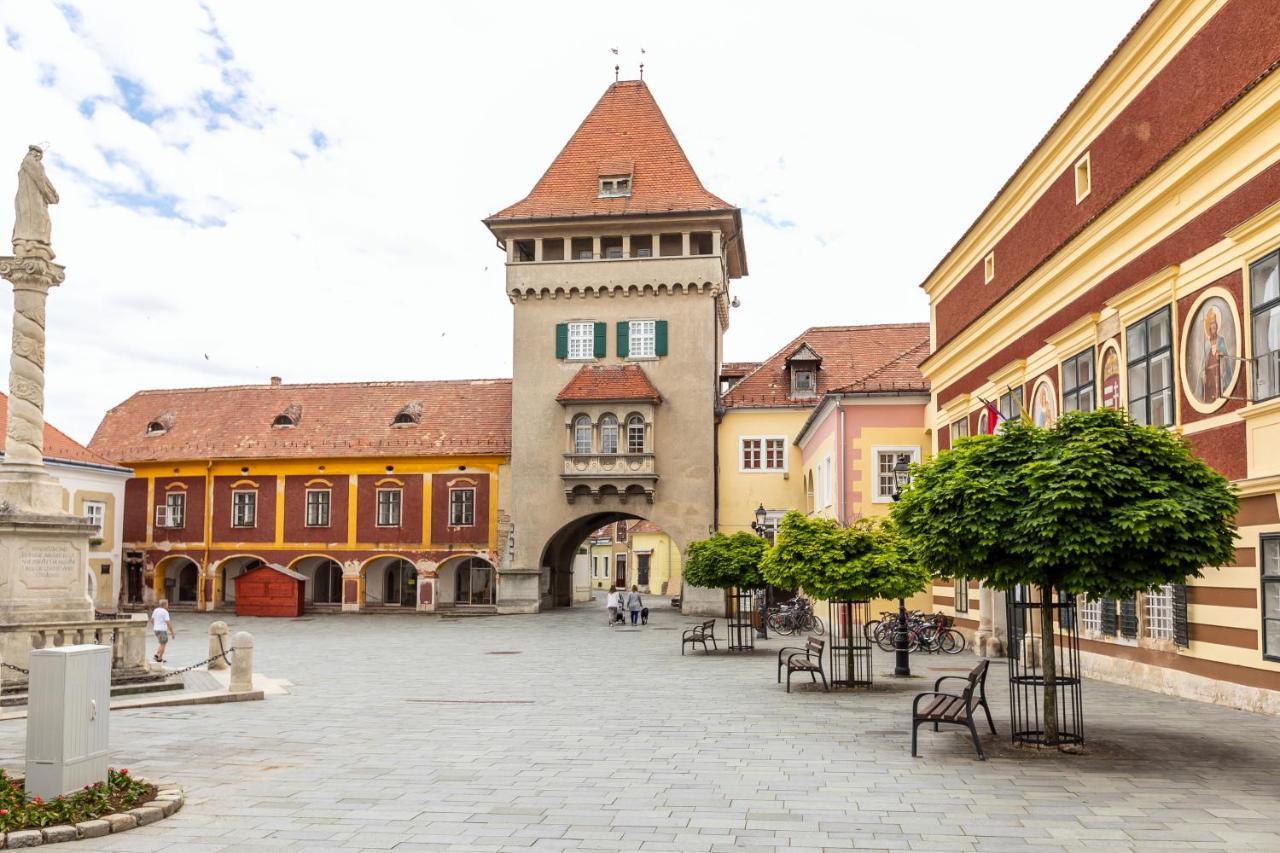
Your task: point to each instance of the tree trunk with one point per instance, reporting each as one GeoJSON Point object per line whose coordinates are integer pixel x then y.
{"type": "Point", "coordinates": [1050, 668]}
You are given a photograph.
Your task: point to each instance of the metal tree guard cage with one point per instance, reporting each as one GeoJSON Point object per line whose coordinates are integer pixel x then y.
{"type": "Point", "coordinates": [739, 611]}
{"type": "Point", "coordinates": [849, 647]}
{"type": "Point", "coordinates": [1026, 668]}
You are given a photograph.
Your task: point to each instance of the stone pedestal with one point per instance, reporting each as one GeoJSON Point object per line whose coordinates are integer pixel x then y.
{"type": "Point", "coordinates": [519, 590]}
{"type": "Point", "coordinates": [44, 567]}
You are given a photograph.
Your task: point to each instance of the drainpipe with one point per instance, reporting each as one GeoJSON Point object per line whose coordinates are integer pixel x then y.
{"type": "Point", "coordinates": [207, 522]}
{"type": "Point", "coordinates": [840, 456]}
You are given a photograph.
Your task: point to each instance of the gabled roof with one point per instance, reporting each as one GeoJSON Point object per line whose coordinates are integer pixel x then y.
{"type": "Point", "coordinates": [625, 133]}
{"type": "Point", "coordinates": [737, 369]}
{"type": "Point", "coordinates": [600, 383]}
{"type": "Point", "coordinates": [458, 417]}
{"type": "Point", "coordinates": [804, 352]}
{"type": "Point", "coordinates": [868, 358]}
{"type": "Point", "coordinates": [58, 446]}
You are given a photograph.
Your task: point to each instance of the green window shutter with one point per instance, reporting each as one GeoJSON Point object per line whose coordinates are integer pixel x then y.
{"type": "Point", "coordinates": [660, 337]}
{"type": "Point", "coordinates": [1066, 611]}
{"type": "Point", "coordinates": [562, 340]}
{"type": "Point", "coordinates": [600, 339]}
{"type": "Point", "coordinates": [1180, 633]}
{"type": "Point", "coordinates": [1109, 617]}
{"type": "Point", "coordinates": [1129, 617]}
{"type": "Point", "coordinates": [624, 338]}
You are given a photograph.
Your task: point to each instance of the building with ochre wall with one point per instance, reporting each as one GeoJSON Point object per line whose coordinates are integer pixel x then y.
{"type": "Point", "coordinates": [1133, 260]}
{"type": "Point", "coordinates": [382, 494]}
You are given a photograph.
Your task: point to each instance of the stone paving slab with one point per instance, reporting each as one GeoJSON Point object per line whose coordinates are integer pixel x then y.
{"type": "Point", "coordinates": [402, 733]}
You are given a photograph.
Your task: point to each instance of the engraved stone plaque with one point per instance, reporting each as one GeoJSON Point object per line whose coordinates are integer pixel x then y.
{"type": "Point", "coordinates": [47, 565]}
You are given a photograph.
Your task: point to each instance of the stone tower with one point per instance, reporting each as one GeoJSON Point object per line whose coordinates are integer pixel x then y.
{"type": "Point", "coordinates": [618, 265]}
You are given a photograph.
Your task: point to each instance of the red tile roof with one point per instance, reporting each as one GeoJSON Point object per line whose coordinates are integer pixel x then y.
{"type": "Point", "coordinates": [645, 526]}
{"type": "Point", "coordinates": [601, 383]}
{"type": "Point", "coordinates": [854, 358]}
{"type": "Point", "coordinates": [58, 446]}
{"type": "Point", "coordinates": [735, 369]}
{"type": "Point", "coordinates": [453, 417]}
{"type": "Point", "coordinates": [625, 133]}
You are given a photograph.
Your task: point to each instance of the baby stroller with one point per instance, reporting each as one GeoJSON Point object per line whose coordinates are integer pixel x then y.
{"type": "Point", "coordinates": [619, 617]}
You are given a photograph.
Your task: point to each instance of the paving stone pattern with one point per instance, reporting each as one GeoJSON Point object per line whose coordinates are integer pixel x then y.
{"type": "Point", "coordinates": [408, 733]}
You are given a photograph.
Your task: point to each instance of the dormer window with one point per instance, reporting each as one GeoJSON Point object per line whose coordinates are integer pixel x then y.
{"type": "Point", "coordinates": [161, 424]}
{"type": "Point", "coordinates": [288, 418]}
{"type": "Point", "coordinates": [804, 381]}
{"type": "Point", "coordinates": [615, 186]}
{"type": "Point", "coordinates": [156, 428]}
{"type": "Point", "coordinates": [410, 415]}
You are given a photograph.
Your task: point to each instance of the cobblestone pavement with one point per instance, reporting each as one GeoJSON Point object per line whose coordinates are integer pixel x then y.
{"type": "Point", "coordinates": [416, 733]}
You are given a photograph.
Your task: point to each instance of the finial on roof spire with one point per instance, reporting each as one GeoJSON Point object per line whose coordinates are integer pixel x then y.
{"type": "Point", "coordinates": [615, 73]}
{"type": "Point", "coordinates": [642, 63]}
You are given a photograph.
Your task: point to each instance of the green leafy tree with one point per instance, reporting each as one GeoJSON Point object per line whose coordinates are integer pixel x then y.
{"type": "Point", "coordinates": [1097, 505]}
{"type": "Point", "coordinates": [723, 562]}
{"type": "Point", "coordinates": [866, 560]}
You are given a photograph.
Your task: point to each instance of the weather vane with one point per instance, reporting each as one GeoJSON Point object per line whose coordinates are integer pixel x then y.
{"type": "Point", "coordinates": [617, 68]}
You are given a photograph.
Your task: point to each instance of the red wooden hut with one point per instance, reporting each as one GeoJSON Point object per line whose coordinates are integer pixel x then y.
{"type": "Point", "coordinates": [270, 590]}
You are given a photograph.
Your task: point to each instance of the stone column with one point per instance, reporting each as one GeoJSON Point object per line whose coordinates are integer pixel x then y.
{"type": "Point", "coordinates": [24, 484]}
{"type": "Point", "coordinates": [218, 644]}
{"type": "Point", "coordinates": [984, 636]}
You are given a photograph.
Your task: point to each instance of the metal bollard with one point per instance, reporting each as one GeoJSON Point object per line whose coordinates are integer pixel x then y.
{"type": "Point", "coordinates": [242, 663]}
{"type": "Point", "coordinates": [217, 645]}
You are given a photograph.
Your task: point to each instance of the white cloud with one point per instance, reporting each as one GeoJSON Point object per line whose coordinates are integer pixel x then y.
{"type": "Point", "coordinates": [208, 239]}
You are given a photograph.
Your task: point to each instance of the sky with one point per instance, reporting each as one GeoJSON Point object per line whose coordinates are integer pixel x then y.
{"type": "Point", "coordinates": [296, 188]}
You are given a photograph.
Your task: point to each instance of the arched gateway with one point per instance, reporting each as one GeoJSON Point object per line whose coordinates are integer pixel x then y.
{"type": "Point", "coordinates": [618, 265]}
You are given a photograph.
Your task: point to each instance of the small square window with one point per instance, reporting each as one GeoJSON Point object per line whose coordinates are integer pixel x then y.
{"type": "Point", "coordinates": [988, 267]}
{"type": "Point", "coordinates": [615, 187]}
{"type": "Point", "coordinates": [1084, 178]}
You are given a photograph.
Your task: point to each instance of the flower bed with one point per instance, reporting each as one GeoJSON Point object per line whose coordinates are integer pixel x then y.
{"type": "Point", "coordinates": [119, 793]}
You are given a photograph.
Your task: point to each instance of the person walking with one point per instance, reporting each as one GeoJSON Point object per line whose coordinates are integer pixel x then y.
{"type": "Point", "coordinates": [634, 603]}
{"type": "Point", "coordinates": [162, 624]}
{"type": "Point", "coordinates": [612, 603]}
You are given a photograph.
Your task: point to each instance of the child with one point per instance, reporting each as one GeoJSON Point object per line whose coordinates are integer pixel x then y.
{"type": "Point", "coordinates": [162, 624]}
{"type": "Point", "coordinates": [612, 604]}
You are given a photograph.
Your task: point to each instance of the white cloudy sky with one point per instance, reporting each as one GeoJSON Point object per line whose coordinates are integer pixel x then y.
{"type": "Point", "coordinates": [296, 188]}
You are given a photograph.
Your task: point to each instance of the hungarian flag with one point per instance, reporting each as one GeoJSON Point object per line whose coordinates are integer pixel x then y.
{"type": "Point", "coordinates": [993, 417]}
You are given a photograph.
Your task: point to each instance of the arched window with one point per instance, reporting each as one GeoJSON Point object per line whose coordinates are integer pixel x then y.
{"type": "Point", "coordinates": [982, 422]}
{"type": "Point", "coordinates": [582, 434]}
{"type": "Point", "coordinates": [156, 428]}
{"type": "Point", "coordinates": [403, 419]}
{"type": "Point", "coordinates": [282, 421]}
{"type": "Point", "coordinates": [609, 434]}
{"type": "Point", "coordinates": [635, 434]}
{"type": "Point", "coordinates": [475, 582]}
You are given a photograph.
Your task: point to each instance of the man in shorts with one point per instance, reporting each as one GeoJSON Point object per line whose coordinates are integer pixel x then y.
{"type": "Point", "coordinates": [162, 624]}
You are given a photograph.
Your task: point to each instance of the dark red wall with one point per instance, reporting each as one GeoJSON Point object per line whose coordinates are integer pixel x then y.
{"type": "Point", "coordinates": [1190, 239]}
{"type": "Point", "coordinates": [265, 530]}
{"type": "Point", "coordinates": [1220, 62]}
{"type": "Point", "coordinates": [410, 529]}
{"type": "Point", "coordinates": [1223, 448]}
{"type": "Point", "coordinates": [192, 529]}
{"type": "Point", "coordinates": [478, 534]}
{"type": "Point", "coordinates": [295, 509]}
{"type": "Point", "coordinates": [135, 510]}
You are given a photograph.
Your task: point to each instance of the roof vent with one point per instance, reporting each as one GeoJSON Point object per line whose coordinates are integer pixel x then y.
{"type": "Point", "coordinates": [276, 380]}
{"type": "Point", "coordinates": [161, 424]}
{"type": "Point", "coordinates": [410, 415]}
{"type": "Point", "coordinates": [289, 417]}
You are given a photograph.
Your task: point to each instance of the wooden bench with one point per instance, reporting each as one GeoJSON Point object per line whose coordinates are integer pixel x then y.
{"type": "Point", "coordinates": [952, 709]}
{"type": "Point", "coordinates": [807, 659]}
{"type": "Point", "coordinates": [700, 634]}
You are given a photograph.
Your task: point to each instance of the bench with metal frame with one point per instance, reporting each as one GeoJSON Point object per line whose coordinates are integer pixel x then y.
{"type": "Point", "coordinates": [699, 635]}
{"type": "Point", "coordinates": [803, 659]}
{"type": "Point", "coordinates": [950, 709]}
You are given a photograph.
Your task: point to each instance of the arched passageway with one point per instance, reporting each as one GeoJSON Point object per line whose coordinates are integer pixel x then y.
{"type": "Point", "coordinates": [467, 582]}
{"type": "Point", "coordinates": [606, 549]}
{"type": "Point", "coordinates": [324, 578]}
{"type": "Point", "coordinates": [390, 581]}
{"type": "Point", "coordinates": [178, 579]}
{"type": "Point", "coordinates": [231, 568]}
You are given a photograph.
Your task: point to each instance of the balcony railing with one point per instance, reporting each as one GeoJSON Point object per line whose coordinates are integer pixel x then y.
{"type": "Point", "coordinates": [600, 475]}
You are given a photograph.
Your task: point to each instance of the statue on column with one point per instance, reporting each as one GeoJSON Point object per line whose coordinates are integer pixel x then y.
{"type": "Point", "coordinates": [32, 229]}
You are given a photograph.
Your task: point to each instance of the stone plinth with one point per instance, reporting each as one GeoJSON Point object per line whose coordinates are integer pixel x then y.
{"type": "Point", "coordinates": [44, 568]}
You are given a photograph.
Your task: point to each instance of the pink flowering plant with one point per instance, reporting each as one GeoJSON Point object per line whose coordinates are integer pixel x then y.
{"type": "Point", "coordinates": [120, 792]}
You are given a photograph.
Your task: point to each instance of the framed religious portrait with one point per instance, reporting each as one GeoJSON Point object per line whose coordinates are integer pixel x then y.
{"type": "Point", "coordinates": [1044, 403]}
{"type": "Point", "coordinates": [1110, 376]}
{"type": "Point", "coordinates": [1210, 350]}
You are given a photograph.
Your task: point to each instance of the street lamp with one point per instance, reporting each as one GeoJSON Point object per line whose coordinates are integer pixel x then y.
{"type": "Point", "coordinates": [902, 655]}
{"type": "Point", "coordinates": [758, 526]}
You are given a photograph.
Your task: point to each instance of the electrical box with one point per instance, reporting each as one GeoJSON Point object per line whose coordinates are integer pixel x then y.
{"type": "Point", "coordinates": [68, 705]}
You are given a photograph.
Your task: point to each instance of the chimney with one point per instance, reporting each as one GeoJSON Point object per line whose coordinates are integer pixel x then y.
{"type": "Point", "coordinates": [276, 380]}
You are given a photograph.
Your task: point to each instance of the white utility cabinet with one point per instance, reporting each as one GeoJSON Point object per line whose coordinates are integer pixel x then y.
{"type": "Point", "coordinates": [68, 706]}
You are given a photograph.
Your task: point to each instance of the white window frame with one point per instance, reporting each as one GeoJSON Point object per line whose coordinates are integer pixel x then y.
{"type": "Point", "coordinates": [1091, 616]}
{"type": "Point", "coordinates": [637, 420]}
{"type": "Point", "coordinates": [327, 504]}
{"type": "Point", "coordinates": [466, 522]}
{"type": "Point", "coordinates": [606, 421]}
{"type": "Point", "coordinates": [97, 512]}
{"type": "Point", "coordinates": [828, 483]}
{"type": "Point", "coordinates": [642, 339]}
{"type": "Point", "coordinates": [1157, 612]}
{"type": "Point", "coordinates": [239, 518]}
{"type": "Point", "coordinates": [762, 454]}
{"type": "Point", "coordinates": [578, 422]}
{"type": "Point", "coordinates": [165, 515]}
{"type": "Point", "coordinates": [394, 507]}
{"type": "Point", "coordinates": [877, 496]}
{"type": "Point", "coordinates": [582, 340]}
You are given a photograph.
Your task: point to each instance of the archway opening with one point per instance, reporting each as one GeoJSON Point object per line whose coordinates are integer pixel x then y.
{"type": "Point", "coordinates": [467, 581]}
{"type": "Point", "coordinates": [608, 550]}
{"type": "Point", "coordinates": [324, 579]}
{"type": "Point", "coordinates": [390, 581]}
{"type": "Point", "coordinates": [231, 568]}
{"type": "Point", "coordinates": [178, 579]}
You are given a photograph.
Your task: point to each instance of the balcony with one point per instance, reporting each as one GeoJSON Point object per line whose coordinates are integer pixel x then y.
{"type": "Point", "coordinates": [625, 476]}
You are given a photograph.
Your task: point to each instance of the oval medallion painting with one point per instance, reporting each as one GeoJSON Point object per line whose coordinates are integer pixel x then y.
{"type": "Point", "coordinates": [1212, 343]}
{"type": "Point", "coordinates": [1044, 405]}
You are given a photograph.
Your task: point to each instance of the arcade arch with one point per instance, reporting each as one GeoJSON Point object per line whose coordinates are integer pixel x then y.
{"type": "Point", "coordinates": [643, 554]}
{"type": "Point", "coordinates": [178, 579]}
{"type": "Point", "coordinates": [324, 578]}
{"type": "Point", "coordinates": [466, 581]}
{"type": "Point", "coordinates": [228, 570]}
{"type": "Point", "coordinates": [390, 580]}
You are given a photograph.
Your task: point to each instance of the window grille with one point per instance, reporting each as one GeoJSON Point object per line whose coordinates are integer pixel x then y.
{"type": "Point", "coordinates": [1091, 616]}
{"type": "Point", "coordinates": [582, 340]}
{"type": "Point", "coordinates": [642, 339]}
{"type": "Point", "coordinates": [1159, 613]}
